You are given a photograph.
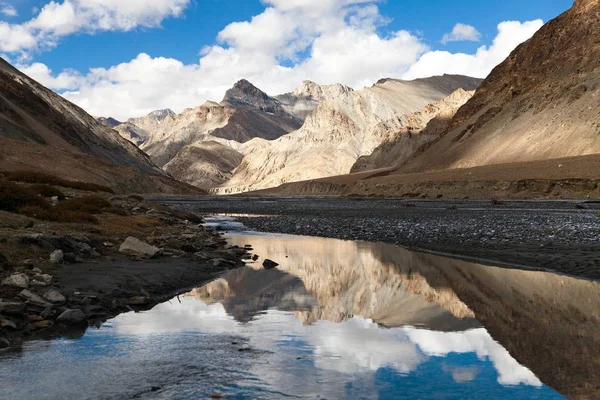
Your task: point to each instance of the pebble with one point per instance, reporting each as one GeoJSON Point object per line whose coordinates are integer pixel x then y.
{"type": "Point", "coordinates": [57, 257]}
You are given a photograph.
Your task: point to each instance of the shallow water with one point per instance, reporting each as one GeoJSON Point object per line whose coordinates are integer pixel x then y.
{"type": "Point", "coordinates": [335, 320]}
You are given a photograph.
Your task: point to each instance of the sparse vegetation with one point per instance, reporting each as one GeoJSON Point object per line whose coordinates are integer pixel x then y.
{"type": "Point", "coordinates": [135, 197]}
{"type": "Point", "coordinates": [47, 191]}
{"type": "Point", "coordinates": [13, 197]}
{"type": "Point", "coordinates": [86, 204]}
{"type": "Point", "coordinates": [43, 178]}
{"type": "Point", "coordinates": [57, 215]}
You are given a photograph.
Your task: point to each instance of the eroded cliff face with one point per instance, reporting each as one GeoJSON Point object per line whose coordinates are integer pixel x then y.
{"type": "Point", "coordinates": [542, 102]}
{"type": "Point", "coordinates": [419, 129]}
{"type": "Point", "coordinates": [346, 125]}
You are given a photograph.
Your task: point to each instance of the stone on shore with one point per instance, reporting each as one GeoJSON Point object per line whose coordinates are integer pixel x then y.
{"type": "Point", "coordinates": [17, 280]}
{"type": "Point", "coordinates": [135, 247]}
{"type": "Point", "coordinates": [55, 297]}
{"type": "Point", "coordinates": [33, 299]}
{"type": "Point", "coordinates": [44, 278]}
{"type": "Point", "coordinates": [57, 257]}
{"type": "Point", "coordinates": [73, 316]}
{"type": "Point", "coordinates": [12, 308]}
{"type": "Point", "coordinates": [269, 264]}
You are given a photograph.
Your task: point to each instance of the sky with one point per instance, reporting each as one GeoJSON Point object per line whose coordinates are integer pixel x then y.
{"type": "Point", "coordinates": [125, 58]}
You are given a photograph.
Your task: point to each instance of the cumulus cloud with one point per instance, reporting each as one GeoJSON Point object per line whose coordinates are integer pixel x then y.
{"type": "Point", "coordinates": [327, 41]}
{"type": "Point", "coordinates": [58, 19]}
{"type": "Point", "coordinates": [480, 64]}
{"type": "Point", "coordinates": [462, 32]}
{"type": "Point", "coordinates": [8, 10]}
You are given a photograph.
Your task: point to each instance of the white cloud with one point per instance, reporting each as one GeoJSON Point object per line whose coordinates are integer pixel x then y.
{"type": "Point", "coordinates": [8, 10]}
{"type": "Point", "coordinates": [462, 32]}
{"type": "Point", "coordinates": [58, 19]}
{"type": "Point", "coordinates": [480, 64]}
{"type": "Point", "coordinates": [327, 41]}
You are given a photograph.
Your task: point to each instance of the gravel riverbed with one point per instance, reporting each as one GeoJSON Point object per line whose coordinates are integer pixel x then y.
{"type": "Point", "coordinates": [562, 236]}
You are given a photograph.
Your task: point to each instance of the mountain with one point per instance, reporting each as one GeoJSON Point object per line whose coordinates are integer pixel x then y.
{"type": "Point", "coordinates": [40, 130]}
{"type": "Point", "coordinates": [419, 129]}
{"type": "Point", "coordinates": [346, 125]}
{"type": "Point", "coordinates": [108, 122]}
{"type": "Point", "coordinates": [246, 112]}
{"type": "Point", "coordinates": [541, 103]}
{"type": "Point", "coordinates": [205, 164]}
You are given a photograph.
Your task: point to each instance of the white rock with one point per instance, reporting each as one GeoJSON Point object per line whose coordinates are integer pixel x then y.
{"type": "Point", "coordinates": [17, 280]}
{"type": "Point", "coordinates": [57, 257]}
{"type": "Point", "coordinates": [135, 247]}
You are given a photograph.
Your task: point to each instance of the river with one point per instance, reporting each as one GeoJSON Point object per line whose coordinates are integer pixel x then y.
{"type": "Point", "coordinates": [336, 319]}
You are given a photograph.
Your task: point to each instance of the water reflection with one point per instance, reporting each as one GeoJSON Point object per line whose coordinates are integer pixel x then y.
{"type": "Point", "coordinates": [335, 320]}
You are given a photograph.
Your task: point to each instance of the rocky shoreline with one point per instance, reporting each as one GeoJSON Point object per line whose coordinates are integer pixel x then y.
{"type": "Point", "coordinates": [88, 276]}
{"type": "Point", "coordinates": [559, 236]}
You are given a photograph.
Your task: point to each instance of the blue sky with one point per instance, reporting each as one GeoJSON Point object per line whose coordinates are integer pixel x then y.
{"type": "Point", "coordinates": [397, 38]}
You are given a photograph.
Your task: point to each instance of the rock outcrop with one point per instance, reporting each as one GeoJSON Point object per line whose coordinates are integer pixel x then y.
{"type": "Point", "coordinates": [419, 129]}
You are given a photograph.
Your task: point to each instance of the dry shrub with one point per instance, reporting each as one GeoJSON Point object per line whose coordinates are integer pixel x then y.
{"type": "Point", "coordinates": [13, 197]}
{"type": "Point", "coordinates": [41, 177]}
{"type": "Point", "coordinates": [86, 204]}
{"type": "Point", "coordinates": [47, 191]}
{"type": "Point", "coordinates": [56, 215]}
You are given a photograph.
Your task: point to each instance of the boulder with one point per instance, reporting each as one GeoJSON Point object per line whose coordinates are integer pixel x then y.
{"type": "Point", "coordinates": [135, 247]}
{"type": "Point", "coordinates": [12, 308]}
{"type": "Point", "coordinates": [72, 316]}
{"type": "Point", "coordinates": [17, 280]}
{"type": "Point", "coordinates": [44, 278]}
{"type": "Point", "coordinates": [34, 299]}
{"type": "Point", "coordinates": [55, 297]}
{"type": "Point", "coordinates": [269, 264]}
{"type": "Point", "coordinates": [57, 257]}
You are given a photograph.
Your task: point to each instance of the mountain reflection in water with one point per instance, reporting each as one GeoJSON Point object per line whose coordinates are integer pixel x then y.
{"type": "Point", "coordinates": [336, 319]}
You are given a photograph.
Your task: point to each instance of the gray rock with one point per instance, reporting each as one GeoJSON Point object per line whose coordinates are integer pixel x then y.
{"type": "Point", "coordinates": [57, 257]}
{"type": "Point", "coordinates": [34, 299]}
{"type": "Point", "coordinates": [73, 316]}
{"type": "Point", "coordinates": [45, 278]}
{"type": "Point", "coordinates": [135, 247]}
{"type": "Point", "coordinates": [35, 270]}
{"type": "Point", "coordinates": [35, 283]}
{"type": "Point", "coordinates": [108, 244]}
{"type": "Point", "coordinates": [12, 308]}
{"type": "Point", "coordinates": [55, 297]}
{"type": "Point", "coordinates": [269, 264]}
{"type": "Point", "coordinates": [4, 343]}
{"type": "Point", "coordinates": [17, 280]}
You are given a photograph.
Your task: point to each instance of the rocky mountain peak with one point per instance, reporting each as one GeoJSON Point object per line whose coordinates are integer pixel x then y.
{"type": "Point", "coordinates": [160, 115]}
{"type": "Point", "coordinates": [245, 95]}
{"type": "Point", "coordinates": [108, 122]}
{"type": "Point", "coordinates": [309, 89]}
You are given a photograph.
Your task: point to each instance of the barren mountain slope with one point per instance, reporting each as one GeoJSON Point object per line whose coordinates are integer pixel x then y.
{"type": "Point", "coordinates": [40, 130]}
{"type": "Point", "coordinates": [419, 129]}
{"type": "Point", "coordinates": [304, 100]}
{"type": "Point", "coordinates": [543, 102]}
{"type": "Point", "coordinates": [108, 122]}
{"type": "Point", "coordinates": [205, 164]}
{"type": "Point", "coordinates": [347, 124]}
{"type": "Point", "coordinates": [30, 112]}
